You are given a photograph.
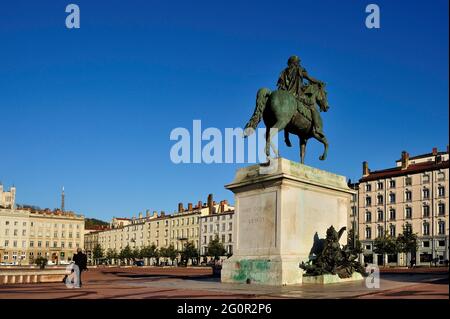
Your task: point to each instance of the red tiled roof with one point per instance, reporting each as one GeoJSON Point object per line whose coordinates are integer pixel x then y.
{"type": "Point", "coordinates": [412, 169]}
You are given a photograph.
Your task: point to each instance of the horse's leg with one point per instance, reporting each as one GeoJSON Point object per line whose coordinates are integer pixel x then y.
{"type": "Point", "coordinates": [323, 140]}
{"type": "Point", "coordinates": [302, 149]}
{"type": "Point", "coordinates": [286, 138]}
{"type": "Point", "coordinates": [267, 148]}
{"type": "Point", "coordinates": [278, 126]}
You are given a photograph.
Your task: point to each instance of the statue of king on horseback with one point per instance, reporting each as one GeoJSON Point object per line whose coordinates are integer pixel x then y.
{"type": "Point", "coordinates": [292, 108]}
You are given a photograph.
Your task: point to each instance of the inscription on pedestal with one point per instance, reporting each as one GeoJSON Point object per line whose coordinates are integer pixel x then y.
{"type": "Point", "coordinates": [257, 226]}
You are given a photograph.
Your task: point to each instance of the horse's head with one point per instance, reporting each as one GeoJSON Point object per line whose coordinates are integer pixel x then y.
{"type": "Point", "coordinates": [321, 96]}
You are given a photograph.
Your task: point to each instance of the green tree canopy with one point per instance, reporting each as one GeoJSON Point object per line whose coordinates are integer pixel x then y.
{"type": "Point", "coordinates": [385, 245]}
{"type": "Point", "coordinates": [353, 243]}
{"type": "Point", "coordinates": [126, 253]}
{"type": "Point", "coordinates": [41, 262]}
{"type": "Point", "coordinates": [189, 252]}
{"type": "Point", "coordinates": [215, 249]}
{"type": "Point", "coordinates": [169, 252]}
{"type": "Point", "coordinates": [111, 254]}
{"type": "Point", "coordinates": [407, 241]}
{"type": "Point", "coordinates": [150, 251]}
{"type": "Point", "coordinates": [92, 222]}
{"type": "Point", "coordinates": [97, 252]}
{"type": "Point", "coordinates": [136, 253]}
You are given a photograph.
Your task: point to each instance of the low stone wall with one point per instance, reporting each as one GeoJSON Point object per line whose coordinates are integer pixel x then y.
{"type": "Point", "coordinates": [22, 276]}
{"type": "Point", "coordinates": [330, 279]}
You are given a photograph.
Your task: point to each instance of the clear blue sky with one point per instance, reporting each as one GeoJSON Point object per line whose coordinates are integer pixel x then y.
{"type": "Point", "coordinates": [92, 109]}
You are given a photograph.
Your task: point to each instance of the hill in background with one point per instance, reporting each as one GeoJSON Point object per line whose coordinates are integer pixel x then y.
{"type": "Point", "coordinates": [92, 222]}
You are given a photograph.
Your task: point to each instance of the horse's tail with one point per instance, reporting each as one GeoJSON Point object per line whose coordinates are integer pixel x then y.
{"type": "Point", "coordinates": [261, 100]}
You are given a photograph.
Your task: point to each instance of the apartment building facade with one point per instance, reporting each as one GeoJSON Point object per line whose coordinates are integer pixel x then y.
{"type": "Point", "coordinates": [412, 194]}
{"type": "Point", "coordinates": [220, 225]}
{"type": "Point", "coordinates": [161, 230]}
{"type": "Point", "coordinates": [26, 234]}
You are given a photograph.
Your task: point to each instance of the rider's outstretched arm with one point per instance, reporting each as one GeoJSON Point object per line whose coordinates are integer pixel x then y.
{"type": "Point", "coordinates": [309, 78]}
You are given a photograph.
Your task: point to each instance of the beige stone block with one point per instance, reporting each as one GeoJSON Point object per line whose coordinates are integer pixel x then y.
{"type": "Point", "coordinates": [330, 279]}
{"type": "Point", "coordinates": [279, 216]}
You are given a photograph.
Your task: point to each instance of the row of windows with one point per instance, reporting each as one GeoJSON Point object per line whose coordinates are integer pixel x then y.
{"type": "Point", "coordinates": [230, 216]}
{"type": "Point", "coordinates": [24, 233]}
{"type": "Point", "coordinates": [425, 244]}
{"type": "Point", "coordinates": [175, 233]}
{"type": "Point", "coordinates": [392, 229]}
{"type": "Point", "coordinates": [408, 213]}
{"type": "Point", "coordinates": [408, 196]}
{"type": "Point", "coordinates": [205, 229]}
{"type": "Point", "coordinates": [183, 221]}
{"type": "Point", "coordinates": [22, 254]}
{"type": "Point", "coordinates": [134, 244]}
{"type": "Point", "coordinates": [211, 238]}
{"type": "Point", "coordinates": [39, 244]}
{"type": "Point", "coordinates": [217, 228]}
{"type": "Point", "coordinates": [45, 225]}
{"type": "Point", "coordinates": [408, 181]}
{"type": "Point", "coordinates": [229, 249]}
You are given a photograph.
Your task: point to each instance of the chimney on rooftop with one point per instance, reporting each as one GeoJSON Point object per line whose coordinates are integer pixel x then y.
{"type": "Point", "coordinates": [222, 206]}
{"type": "Point", "coordinates": [405, 160]}
{"type": "Point", "coordinates": [180, 207]}
{"type": "Point", "coordinates": [366, 170]}
{"type": "Point", "coordinates": [435, 151]}
{"type": "Point", "coordinates": [140, 215]}
{"type": "Point", "coordinates": [147, 213]}
{"type": "Point", "coordinates": [189, 206]}
{"type": "Point", "coordinates": [210, 203]}
{"type": "Point", "coordinates": [163, 213]}
{"type": "Point", "coordinates": [200, 204]}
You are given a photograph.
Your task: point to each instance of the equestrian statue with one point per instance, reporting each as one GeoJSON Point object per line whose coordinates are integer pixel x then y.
{"type": "Point", "coordinates": [292, 108]}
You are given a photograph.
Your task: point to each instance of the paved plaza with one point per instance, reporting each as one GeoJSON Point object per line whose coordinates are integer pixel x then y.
{"type": "Point", "coordinates": [145, 283]}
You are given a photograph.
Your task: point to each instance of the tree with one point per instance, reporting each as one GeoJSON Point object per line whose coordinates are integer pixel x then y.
{"type": "Point", "coordinates": [111, 254]}
{"type": "Point", "coordinates": [97, 253]}
{"type": "Point", "coordinates": [215, 249]}
{"type": "Point", "coordinates": [136, 253]}
{"type": "Point", "coordinates": [169, 252]}
{"type": "Point", "coordinates": [385, 245]}
{"type": "Point", "coordinates": [125, 254]}
{"type": "Point", "coordinates": [353, 243]}
{"type": "Point", "coordinates": [163, 252]}
{"type": "Point", "coordinates": [41, 262]}
{"type": "Point", "coordinates": [407, 242]}
{"type": "Point", "coordinates": [189, 252]}
{"type": "Point", "coordinates": [150, 252]}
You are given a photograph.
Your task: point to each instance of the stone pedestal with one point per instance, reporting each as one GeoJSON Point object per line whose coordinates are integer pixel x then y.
{"type": "Point", "coordinates": [281, 211]}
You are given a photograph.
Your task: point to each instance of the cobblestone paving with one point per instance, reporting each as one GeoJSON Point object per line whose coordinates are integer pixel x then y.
{"type": "Point", "coordinates": [131, 283]}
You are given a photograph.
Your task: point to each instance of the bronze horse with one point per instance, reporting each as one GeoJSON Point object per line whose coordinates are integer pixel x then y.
{"type": "Point", "coordinates": [281, 110]}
